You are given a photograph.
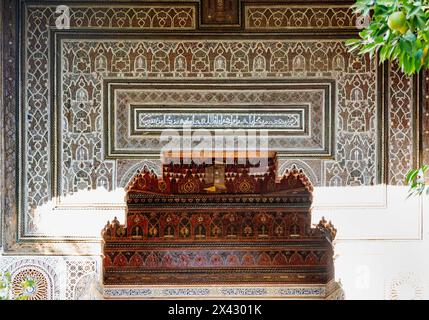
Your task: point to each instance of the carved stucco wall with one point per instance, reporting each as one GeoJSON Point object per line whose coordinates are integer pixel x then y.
{"type": "Point", "coordinates": [61, 144]}
{"type": "Point", "coordinates": [65, 173]}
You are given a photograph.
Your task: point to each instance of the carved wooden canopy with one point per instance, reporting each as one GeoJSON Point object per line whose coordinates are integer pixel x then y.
{"type": "Point", "coordinates": [256, 228]}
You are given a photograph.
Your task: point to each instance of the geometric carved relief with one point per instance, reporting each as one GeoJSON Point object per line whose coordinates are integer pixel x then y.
{"type": "Point", "coordinates": [40, 290]}
{"type": "Point", "coordinates": [36, 80]}
{"type": "Point", "coordinates": [267, 64]}
{"type": "Point", "coordinates": [80, 273]}
{"type": "Point", "coordinates": [358, 158]}
{"type": "Point", "coordinates": [126, 169]}
{"type": "Point", "coordinates": [55, 277]}
{"type": "Point", "coordinates": [165, 17]}
{"type": "Point", "coordinates": [81, 164]}
{"type": "Point", "coordinates": [282, 17]}
{"type": "Point", "coordinates": [401, 124]}
{"type": "Point", "coordinates": [42, 271]}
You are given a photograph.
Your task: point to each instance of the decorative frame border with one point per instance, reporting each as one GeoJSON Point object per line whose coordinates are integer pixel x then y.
{"type": "Point", "coordinates": [327, 86]}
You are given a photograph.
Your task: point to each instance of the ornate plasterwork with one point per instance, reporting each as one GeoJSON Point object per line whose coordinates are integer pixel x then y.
{"type": "Point", "coordinates": [37, 35]}
{"type": "Point", "coordinates": [402, 113]}
{"type": "Point", "coordinates": [80, 274]}
{"type": "Point", "coordinates": [336, 291]}
{"type": "Point", "coordinates": [331, 291]}
{"type": "Point", "coordinates": [41, 289]}
{"type": "Point", "coordinates": [55, 277]}
{"type": "Point", "coordinates": [311, 103]}
{"type": "Point", "coordinates": [44, 272]}
{"type": "Point", "coordinates": [127, 169]}
{"type": "Point", "coordinates": [225, 292]}
{"type": "Point", "coordinates": [86, 62]}
{"type": "Point", "coordinates": [405, 286]}
{"type": "Point", "coordinates": [285, 17]}
{"type": "Point", "coordinates": [155, 16]}
{"type": "Point", "coordinates": [361, 160]}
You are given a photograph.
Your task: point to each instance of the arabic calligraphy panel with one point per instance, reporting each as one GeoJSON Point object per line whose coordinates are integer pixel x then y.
{"type": "Point", "coordinates": [288, 119]}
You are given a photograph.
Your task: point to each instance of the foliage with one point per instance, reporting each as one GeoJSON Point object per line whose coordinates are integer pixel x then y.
{"type": "Point", "coordinates": [398, 30]}
{"type": "Point", "coordinates": [6, 287]}
{"type": "Point", "coordinates": [416, 180]}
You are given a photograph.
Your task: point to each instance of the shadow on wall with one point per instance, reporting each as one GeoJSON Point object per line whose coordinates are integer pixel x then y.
{"type": "Point", "coordinates": [365, 212]}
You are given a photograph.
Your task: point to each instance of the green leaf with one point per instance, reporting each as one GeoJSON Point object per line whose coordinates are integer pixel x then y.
{"type": "Point", "coordinates": [378, 38]}
{"type": "Point", "coordinates": [409, 36]}
{"type": "Point", "coordinates": [383, 53]}
{"type": "Point", "coordinates": [352, 41]}
{"type": "Point", "coordinates": [414, 11]}
{"type": "Point", "coordinates": [411, 175]}
{"type": "Point", "coordinates": [418, 54]}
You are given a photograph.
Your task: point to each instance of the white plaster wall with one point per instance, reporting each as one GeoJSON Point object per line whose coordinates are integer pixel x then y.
{"type": "Point", "coordinates": [381, 249]}
{"type": "Point", "coordinates": [382, 253]}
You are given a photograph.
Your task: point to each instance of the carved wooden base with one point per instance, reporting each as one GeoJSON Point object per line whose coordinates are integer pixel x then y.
{"type": "Point", "coordinates": [290, 261]}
